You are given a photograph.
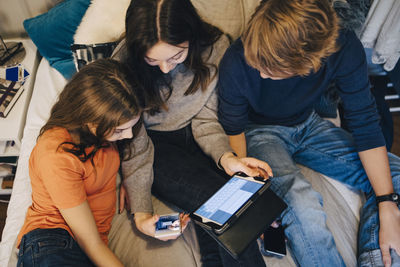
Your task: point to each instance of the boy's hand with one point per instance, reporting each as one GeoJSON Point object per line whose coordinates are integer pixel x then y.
{"type": "Point", "coordinates": [389, 232]}
{"type": "Point", "coordinates": [250, 166]}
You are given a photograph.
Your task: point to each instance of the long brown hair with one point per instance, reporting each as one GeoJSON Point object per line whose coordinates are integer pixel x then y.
{"type": "Point", "coordinates": [291, 37]}
{"type": "Point", "coordinates": [103, 94]}
{"type": "Point", "coordinates": [173, 22]}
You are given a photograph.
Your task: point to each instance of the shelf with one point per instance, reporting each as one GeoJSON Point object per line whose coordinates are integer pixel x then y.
{"type": "Point", "coordinates": [11, 151]}
{"type": "Point", "coordinates": [12, 126]}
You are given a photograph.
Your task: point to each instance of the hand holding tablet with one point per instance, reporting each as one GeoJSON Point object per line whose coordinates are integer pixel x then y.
{"type": "Point", "coordinates": [221, 210]}
{"type": "Point", "coordinates": [251, 166]}
{"type": "Point", "coordinates": [239, 212]}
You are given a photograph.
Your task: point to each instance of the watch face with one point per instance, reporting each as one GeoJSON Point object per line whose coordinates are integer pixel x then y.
{"type": "Point", "coordinates": [395, 197]}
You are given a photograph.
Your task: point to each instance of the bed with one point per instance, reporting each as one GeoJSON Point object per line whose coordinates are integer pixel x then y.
{"type": "Point", "coordinates": [340, 203]}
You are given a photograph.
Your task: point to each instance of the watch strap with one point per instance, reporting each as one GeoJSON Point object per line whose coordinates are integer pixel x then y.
{"type": "Point", "coordinates": [389, 197]}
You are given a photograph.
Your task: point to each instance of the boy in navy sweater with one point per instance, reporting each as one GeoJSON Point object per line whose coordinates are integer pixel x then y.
{"type": "Point", "coordinates": [269, 81]}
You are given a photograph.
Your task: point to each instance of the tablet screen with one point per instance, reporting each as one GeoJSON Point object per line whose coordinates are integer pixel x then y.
{"type": "Point", "coordinates": [228, 199]}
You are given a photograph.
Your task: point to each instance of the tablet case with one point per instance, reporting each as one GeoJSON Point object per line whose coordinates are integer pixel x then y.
{"type": "Point", "coordinates": [250, 224]}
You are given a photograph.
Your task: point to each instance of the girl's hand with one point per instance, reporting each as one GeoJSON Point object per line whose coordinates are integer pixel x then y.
{"type": "Point", "coordinates": [146, 223]}
{"type": "Point", "coordinates": [83, 225]}
{"type": "Point", "coordinates": [123, 199]}
{"type": "Point", "coordinates": [250, 166]}
{"type": "Point", "coordinates": [185, 219]}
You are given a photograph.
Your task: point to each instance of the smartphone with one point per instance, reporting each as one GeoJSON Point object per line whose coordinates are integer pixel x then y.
{"type": "Point", "coordinates": [274, 242]}
{"type": "Point", "coordinates": [168, 225]}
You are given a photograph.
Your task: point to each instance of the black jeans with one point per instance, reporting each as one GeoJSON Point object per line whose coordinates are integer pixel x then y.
{"type": "Point", "coordinates": [185, 177]}
{"type": "Point", "coordinates": [51, 247]}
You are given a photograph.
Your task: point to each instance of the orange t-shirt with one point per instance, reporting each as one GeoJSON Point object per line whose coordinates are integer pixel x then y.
{"type": "Point", "coordinates": [61, 181]}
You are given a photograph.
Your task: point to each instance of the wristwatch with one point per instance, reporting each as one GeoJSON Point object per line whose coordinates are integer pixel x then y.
{"type": "Point", "coordinates": [390, 197]}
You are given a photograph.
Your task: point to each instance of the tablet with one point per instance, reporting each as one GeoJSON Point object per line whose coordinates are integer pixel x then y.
{"type": "Point", "coordinates": [221, 209]}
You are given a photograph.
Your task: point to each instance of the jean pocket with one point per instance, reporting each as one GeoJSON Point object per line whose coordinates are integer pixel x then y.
{"type": "Point", "coordinates": [50, 245]}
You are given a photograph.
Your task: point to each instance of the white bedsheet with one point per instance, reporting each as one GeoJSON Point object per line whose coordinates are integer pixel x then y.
{"type": "Point", "coordinates": [343, 212]}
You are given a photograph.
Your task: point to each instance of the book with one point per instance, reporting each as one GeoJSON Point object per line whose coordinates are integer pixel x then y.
{"type": "Point", "coordinates": [15, 73]}
{"type": "Point", "coordinates": [8, 166]}
{"type": "Point", "coordinates": [10, 91]}
{"type": "Point", "coordinates": [7, 182]}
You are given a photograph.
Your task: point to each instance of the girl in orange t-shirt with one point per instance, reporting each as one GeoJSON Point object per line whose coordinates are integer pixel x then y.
{"type": "Point", "coordinates": [73, 169]}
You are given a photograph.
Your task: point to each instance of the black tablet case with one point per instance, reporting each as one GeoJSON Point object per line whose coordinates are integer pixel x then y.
{"type": "Point", "coordinates": [250, 224]}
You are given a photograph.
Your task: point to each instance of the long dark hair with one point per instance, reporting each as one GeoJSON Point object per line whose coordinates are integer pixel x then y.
{"type": "Point", "coordinates": [173, 22]}
{"type": "Point", "coordinates": [102, 93]}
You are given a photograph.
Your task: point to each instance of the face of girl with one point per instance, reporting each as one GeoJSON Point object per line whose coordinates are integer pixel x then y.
{"type": "Point", "coordinates": [167, 56]}
{"type": "Point", "coordinates": [123, 131]}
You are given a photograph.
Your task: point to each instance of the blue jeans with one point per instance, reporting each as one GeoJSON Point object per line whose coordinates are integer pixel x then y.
{"type": "Point", "coordinates": [323, 147]}
{"type": "Point", "coordinates": [50, 247]}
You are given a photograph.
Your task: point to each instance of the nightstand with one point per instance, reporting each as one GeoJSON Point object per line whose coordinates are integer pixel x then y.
{"type": "Point", "coordinates": [12, 126]}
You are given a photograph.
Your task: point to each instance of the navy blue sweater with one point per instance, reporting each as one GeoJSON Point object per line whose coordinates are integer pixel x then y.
{"type": "Point", "coordinates": [244, 97]}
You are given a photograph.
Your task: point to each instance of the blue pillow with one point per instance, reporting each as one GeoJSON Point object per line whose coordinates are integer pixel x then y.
{"type": "Point", "coordinates": [53, 33]}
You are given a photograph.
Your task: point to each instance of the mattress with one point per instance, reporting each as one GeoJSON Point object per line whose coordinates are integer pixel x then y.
{"type": "Point", "coordinates": [135, 249]}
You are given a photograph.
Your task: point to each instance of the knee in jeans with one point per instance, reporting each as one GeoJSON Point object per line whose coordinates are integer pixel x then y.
{"type": "Point", "coordinates": [302, 194]}
{"type": "Point", "coordinates": [304, 214]}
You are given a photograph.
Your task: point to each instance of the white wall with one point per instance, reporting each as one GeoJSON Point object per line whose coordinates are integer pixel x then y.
{"type": "Point", "coordinates": [13, 13]}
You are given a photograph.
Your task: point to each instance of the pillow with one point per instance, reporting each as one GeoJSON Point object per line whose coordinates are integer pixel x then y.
{"type": "Point", "coordinates": [53, 32]}
{"type": "Point", "coordinates": [86, 53]}
{"type": "Point", "coordinates": [98, 34]}
{"type": "Point", "coordinates": [103, 22]}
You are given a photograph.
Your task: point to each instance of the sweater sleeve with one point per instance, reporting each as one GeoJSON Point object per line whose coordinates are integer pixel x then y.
{"type": "Point", "coordinates": [233, 105]}
{"type": "Point", "coordinates": [138, 173]}
{"type": "Point", "coordinates": [208, 132]}
{"type": "Point", "coordinates": [359, 106]}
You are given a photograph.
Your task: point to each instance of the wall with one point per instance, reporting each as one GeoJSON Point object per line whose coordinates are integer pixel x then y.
{"type": "Point", "coordinates": [14, 12]}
